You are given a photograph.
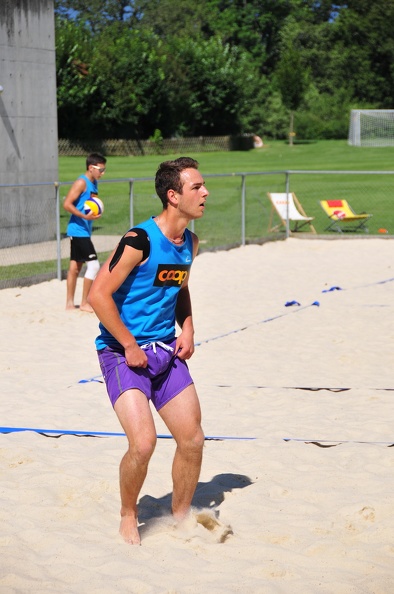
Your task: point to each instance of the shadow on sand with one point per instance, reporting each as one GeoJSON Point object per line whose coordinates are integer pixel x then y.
{"type": "Point", "coordinates": [207, 495]}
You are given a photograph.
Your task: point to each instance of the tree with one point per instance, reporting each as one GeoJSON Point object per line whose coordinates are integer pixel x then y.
{"type": "Point", "coordinates": [364, 51]}
{"type": "Point", "coordinates": [292, 82]}
{"type": "Point", "coordinates": [171, 18]}
{"type": "Point", "coordinates": [253, 25]}
{"type": "Point", "coordinates": [211, 86]}
{"type": "Point", "coordinates": [75, 85]}
{"type": "Point", "coordinates": [220, 66]}
{"type": "Point", "coordinates": [132, 92]}
{"type": "Point", "coordinates": [97, 14]}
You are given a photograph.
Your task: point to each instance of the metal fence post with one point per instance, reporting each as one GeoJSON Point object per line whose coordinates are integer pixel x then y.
{"type": "Point", "coordinates": [58, 238]}
{"type": "Point", "coordinates": [287, 205]}
{"type": "Point", "coordinates": [131, 198]}
{"type": "Point", "coordinates": [243, 207]}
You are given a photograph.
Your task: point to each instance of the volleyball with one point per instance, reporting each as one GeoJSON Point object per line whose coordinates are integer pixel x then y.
{"type": "Point", "coordinates": [94, 206]}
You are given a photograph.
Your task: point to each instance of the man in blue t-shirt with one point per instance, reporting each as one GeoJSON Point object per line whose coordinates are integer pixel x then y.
{"type": "Point", "coordinates": [79, 230]}
{"type": "Point", "coordinates": [139, 295]}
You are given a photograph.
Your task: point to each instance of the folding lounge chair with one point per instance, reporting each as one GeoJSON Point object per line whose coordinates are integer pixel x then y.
{"type": "Point", "coordinates": [342, 216]}
{"type": "Point", "coordinates": [288, 207]}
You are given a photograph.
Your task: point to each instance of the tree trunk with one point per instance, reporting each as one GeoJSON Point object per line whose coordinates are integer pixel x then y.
{"type": "Point", "coordinates": [291, 133]}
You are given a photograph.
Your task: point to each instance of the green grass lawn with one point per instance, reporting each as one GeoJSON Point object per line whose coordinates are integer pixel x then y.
{"type": "Point", "coordinates": [221, 224]}
{"type": "Point", "coordinates": [274, 156]}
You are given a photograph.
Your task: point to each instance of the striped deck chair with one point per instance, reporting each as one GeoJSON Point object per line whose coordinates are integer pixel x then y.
{"type": "Point", "coordinates": [288, 206]}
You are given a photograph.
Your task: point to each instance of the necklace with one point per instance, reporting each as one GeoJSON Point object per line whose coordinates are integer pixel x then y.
{"type": "Point", "coordinates": [176, 241]}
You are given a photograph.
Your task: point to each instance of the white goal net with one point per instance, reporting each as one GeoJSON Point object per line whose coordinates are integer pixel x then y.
{"type": "Point", "coordinates": [371, 127]}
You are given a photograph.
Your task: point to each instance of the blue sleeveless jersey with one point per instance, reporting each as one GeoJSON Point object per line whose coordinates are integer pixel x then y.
{"type": "Point", "coordinates": [147, 299]}
{"type": "Point", "coordinates": [78, 227]}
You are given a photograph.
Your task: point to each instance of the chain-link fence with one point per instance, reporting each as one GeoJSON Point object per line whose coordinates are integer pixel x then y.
{"type": "Point", "coordinates": [116, 147]}
{"type": "Point", "coordinates": [238, 212]}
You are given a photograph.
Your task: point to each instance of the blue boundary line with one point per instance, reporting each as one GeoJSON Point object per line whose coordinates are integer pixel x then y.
{"type": "Point", "coordinates": [77, 433]}
{"type": "Point", "coordinates": [257, 323]}
{"type": "Point", "coordinates": [333, 442]}
{"type": "Point", "coordinates": [59, 432]}
{"type": "Point", "coordinates": [287, 304]}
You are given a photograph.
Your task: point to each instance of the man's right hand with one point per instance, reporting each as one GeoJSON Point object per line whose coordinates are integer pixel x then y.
{"type": "Point", "coordinates": [136, 357]}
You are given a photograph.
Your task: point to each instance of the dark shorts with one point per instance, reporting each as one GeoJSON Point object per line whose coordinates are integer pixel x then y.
{"type": "Point", "coordinates": [164, 378]}
{"type": "Point", "coordinates": [82, 249]}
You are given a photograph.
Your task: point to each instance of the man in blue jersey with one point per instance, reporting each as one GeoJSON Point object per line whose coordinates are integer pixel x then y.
{"type": "Point", "coordinates": [79, 230]}
{"type": "Point", "coordinates": [139, 295]}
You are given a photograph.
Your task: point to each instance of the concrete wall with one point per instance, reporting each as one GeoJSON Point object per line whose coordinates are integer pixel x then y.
{"type": "Point", "coordinates": [28, 121]}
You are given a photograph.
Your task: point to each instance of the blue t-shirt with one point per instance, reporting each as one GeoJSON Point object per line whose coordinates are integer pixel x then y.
{"type": "Point", "coordinates": [78, 227]}
{"type": "Point", "coordinates": [147, 298]}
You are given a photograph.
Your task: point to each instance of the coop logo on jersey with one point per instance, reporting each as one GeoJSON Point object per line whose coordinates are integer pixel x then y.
{"type": "Point", "coordinates": [171, 275]}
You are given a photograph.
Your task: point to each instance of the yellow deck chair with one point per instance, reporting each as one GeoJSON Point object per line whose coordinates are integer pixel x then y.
{"type": "Point", "coordinates": [342, 216]}
{"type": "Point", "coordinates": [288, 206]}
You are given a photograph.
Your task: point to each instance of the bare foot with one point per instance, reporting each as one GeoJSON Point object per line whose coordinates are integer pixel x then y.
{"type": "Point", "coordinates": [71, 307]}
{"type": "Point", "coordinates": [86, 307]}
{"type": "Point", "coordinates": [129, 531]}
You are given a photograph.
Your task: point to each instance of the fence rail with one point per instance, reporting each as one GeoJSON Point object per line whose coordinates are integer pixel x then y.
{"type": "Point", "coordinates": [238, 212]}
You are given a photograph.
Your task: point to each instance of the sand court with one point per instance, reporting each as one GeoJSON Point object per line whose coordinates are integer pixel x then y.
{"type": "Point", "coordinates": [295, 494]}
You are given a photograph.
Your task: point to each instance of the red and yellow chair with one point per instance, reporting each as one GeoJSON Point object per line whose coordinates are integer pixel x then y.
{"type": "Point", "coordinates": [343, 217]}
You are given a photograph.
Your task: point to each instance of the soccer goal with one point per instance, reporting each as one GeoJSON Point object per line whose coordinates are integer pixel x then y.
{"type": "Point", "coordinates": [371, 127]}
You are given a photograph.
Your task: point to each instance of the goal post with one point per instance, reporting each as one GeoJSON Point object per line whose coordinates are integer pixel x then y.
{"type": "Point", "coordinates": [371, 127]}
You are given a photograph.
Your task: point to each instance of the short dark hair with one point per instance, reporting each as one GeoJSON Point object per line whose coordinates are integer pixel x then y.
{"type": "Point", "coordinates": [168, 176]}
{"type": "Point", "coordinates": [94, 159]}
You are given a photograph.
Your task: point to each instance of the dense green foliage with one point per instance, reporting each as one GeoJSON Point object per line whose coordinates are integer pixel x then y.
{"type": "Point", "coordinates": [133, 68]}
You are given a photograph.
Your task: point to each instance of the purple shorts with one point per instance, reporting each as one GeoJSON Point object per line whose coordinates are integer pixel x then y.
{"type": "Point", "coordinates": [165, 376]}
